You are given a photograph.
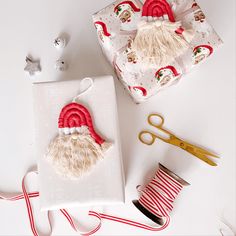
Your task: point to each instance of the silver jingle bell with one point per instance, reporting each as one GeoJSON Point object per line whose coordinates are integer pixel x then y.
{"type": "Point", "coordinates": [59, 42]}
{"type": "Point", "coordinates": [61, 65]}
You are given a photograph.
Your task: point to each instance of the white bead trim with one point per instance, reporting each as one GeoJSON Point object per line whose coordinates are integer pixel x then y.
{"type": "Point", "coordinates": [80, 130]}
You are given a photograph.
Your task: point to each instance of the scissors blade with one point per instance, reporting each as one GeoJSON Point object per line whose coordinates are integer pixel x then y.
{"type": "Point", "coordinates": [202, 157]}
{"type": "Point", "coordinates": [201, 150]}
{"type": "Point", "coordinates": [205, 159]}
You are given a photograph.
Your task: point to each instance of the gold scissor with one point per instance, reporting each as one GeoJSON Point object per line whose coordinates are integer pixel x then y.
{"type": "Point", "coordinates": [172, 139]}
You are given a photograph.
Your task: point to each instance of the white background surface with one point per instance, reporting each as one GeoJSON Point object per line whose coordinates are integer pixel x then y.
{"type": "Point", "coordinates": [200, 109]}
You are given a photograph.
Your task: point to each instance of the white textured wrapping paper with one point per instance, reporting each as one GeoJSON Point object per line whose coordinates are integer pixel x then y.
{"type": "Point", "coordinates": [104, 184]}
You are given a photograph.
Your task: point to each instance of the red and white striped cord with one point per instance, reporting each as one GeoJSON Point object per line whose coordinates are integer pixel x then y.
{"type": "Point", "coordinates": [157, 197]}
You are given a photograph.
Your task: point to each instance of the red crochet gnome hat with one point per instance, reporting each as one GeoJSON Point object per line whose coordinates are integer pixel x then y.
{"type": "Point", "coordinates": [158, 8]}
{"type": "Point", "coordinates": [74, 118]}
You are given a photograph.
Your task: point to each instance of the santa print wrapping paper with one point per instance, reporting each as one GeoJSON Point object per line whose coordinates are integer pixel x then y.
{"type": "Point", "coordinates": [97, 186]}
{"type": "Point", "coordinates": [116, 25]}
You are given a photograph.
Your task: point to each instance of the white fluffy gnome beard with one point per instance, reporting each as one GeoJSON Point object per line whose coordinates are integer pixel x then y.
{"type": "Point", "coordinates": [159, 41]}
{"type": "Point", "coordinates": [77, 148]}
{"type": "Point", "coordinates": [74, 155]}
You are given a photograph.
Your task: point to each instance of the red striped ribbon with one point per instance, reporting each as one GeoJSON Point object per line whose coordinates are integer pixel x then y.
{"type": "Point", "coordinates": [157, 197]}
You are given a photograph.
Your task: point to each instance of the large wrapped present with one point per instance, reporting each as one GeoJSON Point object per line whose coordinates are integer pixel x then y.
{"type": "Point", "coordinates": [116, 27]}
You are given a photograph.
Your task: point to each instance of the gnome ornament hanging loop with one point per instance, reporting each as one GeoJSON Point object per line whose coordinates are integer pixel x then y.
{"type": "Point", "coordinates": [160, 38]}
{"type": "Point", "coordinates": [77, 147]}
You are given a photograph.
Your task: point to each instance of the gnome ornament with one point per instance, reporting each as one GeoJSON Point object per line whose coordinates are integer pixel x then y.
{"type": "Point", "coordinates": [77, 147]}
{"type": "Point", "coordinates": [160, 38]}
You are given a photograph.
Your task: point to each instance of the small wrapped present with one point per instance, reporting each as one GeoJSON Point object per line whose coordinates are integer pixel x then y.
{"type": "Point", "coordinates": [117, 26]}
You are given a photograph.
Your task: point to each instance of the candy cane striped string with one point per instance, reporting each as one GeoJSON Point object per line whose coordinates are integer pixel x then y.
{"type": "Point", "coordinates": [157, 197]}
{"type": "Point", "coordinates": [26, 196]}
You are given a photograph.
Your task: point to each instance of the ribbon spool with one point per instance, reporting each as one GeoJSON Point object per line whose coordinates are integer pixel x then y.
{"type": "Point", "coordinates": [143, 205]}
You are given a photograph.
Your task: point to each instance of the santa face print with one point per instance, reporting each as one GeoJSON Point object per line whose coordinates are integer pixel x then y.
{"type": "Point", "coordinates": [199, 16]}
{"type": "Point", "coordinates": [165, 80]}
{"type": "Point", "coordinates": [199, 22]}
{"type": "Point", "coordinates": [129, 20]}
{"type": "Point", "coordinates": [200, 58]}
{"type": "Point", "coordinates": [165, 76]}
{"type": "Point", "coordinates": [128, 14]}
{"type": "Point", "coordinates": [125, 16]}
{"type": "Point", "coordinates": [200, 54]}
{"type": "Point", "coordinates": [131, 55]}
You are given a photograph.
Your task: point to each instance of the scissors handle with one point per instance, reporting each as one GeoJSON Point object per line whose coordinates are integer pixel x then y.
{"type": "Point", "coordinates": [154, 123]}
{"type": "Point", "coordinates": [148, 137]}
{"type": "Point", "coordinates": [148, 141]}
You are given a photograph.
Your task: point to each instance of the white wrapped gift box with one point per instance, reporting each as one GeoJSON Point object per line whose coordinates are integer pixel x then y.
{"type": "Point", "coordinates": [94, 188]}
